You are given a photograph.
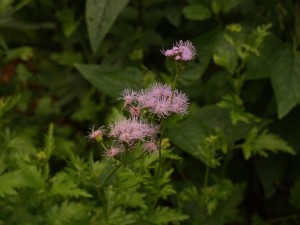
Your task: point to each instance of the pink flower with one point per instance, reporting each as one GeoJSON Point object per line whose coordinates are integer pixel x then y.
{"type": "Point", "coordinates": [158, 100]}
{"type": "Point", "coordinates": [96, 134]}
{"type": "Point", "coordinates": [150, 146]}
{"type": "Point", "coordinates": [113, 151]}
{"type": "Point", "coordinates": [162, 107]}
{"type": "Point", "coordinates": [135, 111]}
{"type": "Point", "coordinates": [183, 50]}
{"type": "Point", "coordinates": [128, 96]}
{"type": "Point", "coordinates": [132, 129]}
{"type": "Point", "coordinates": [180, 103]}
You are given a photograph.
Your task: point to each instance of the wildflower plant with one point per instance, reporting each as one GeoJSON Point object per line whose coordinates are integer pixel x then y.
{"type": "Point", "coordinates": [146, 110]}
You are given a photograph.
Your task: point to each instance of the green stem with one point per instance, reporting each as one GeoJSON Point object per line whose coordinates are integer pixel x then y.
{"type": "Point", "coordinates": [162, 124]}
{"type": "Point", "coordinates": [174, 82]}
{"type": "Point", "coordinates": [137, 158]}
{"type": "Point", "coordinates": [159, 162]}
{"type": "Point", "coordinates": [111, 173]}
{"type": "Point", "coordinates": [206, 176]}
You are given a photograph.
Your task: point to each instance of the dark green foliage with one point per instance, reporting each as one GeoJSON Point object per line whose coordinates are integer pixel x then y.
{"type": "Point", "coordinates": [233, 160]}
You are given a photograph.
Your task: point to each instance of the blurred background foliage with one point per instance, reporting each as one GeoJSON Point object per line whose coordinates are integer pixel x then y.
{"type": "Point", "coordinates": [232, 160]}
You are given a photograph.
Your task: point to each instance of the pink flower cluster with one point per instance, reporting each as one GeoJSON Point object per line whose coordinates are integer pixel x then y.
{"type": "Point", "coordinates": [132, 129]}
{"type": "Point", "coordinates": [182, 50]}
{"type": "Point", "coordinates": [158, 99]}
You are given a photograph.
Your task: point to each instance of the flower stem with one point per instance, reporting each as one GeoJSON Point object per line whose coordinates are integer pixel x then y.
{"type": "Point", "coordinates": [175, 81]}
{"type": "Point", "coordinates": [206, 176]}
{"type": "Point", "coordinates": [109, 175]}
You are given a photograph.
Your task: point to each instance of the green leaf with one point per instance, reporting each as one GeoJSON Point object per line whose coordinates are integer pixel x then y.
{"type": "Point", "coordinates": [262, 143]}
{"type": "Point", "coordinates": [285, 78]}
{"type": "Point", "coordinates": [7, 104]}
{"type": "Point", "coordinates": [49, 141]}
{"type": "Point", "coordinates": [196, 12]}
{"type": "Point", "coordinates": [24, 53]}
{"type": "Point", "coordinates": [258, 67]}
{"type": "Point", "coordinates": [32, 175]}
{"type": "Point", "coordinates": [165, 215]}
{"type": "Point", "coordinates": [11, 181]}
{"type": "Point", "coordinates": [192, 133]}
{"type": "Point", "coordinates": [100, 16]}
{"type": "Point", "coordinates": [111, 80]}
{"type": "Point", "coordinates": [67, 17]}
{"type": "Point", "coordinates": [65, 186]}
{"type": "Point", "coordinates": [225, 55]}
{"type": "Point", "coordinates": [68, 213]}
{"type": "Point", "coordinates": [224, 5]}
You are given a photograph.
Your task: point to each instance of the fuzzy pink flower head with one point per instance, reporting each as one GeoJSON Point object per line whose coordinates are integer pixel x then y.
{"type": "Point", "coordinates": [150, 146]}
{"type": "Point", "coordinates": [162, 107]}
{"type": "Point", "coordinates": [179, 104]}
{"type": "Point", "coordinates": [128, 96]}
{"type": "Point", "coordinates": [96, 134]}
{"type": "Point", "coordinates": [130, 130]}
{"type": "Point", "coordinates": [113, 151]}
{"type": "Point", "coordinates": [135, 111]}
{"type": "Point", "coordinates": [182, 50]}
{"type": "Point", "coordinates": [158, 90]}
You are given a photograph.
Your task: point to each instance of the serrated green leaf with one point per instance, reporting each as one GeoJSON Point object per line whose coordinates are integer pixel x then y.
{"type": "Point", "coordinates": [100, 16]}
{"type": "Point", "coordinates": [32, 175]}
{"type": "Point", "coordinates": [65, 186]}
{"type": "Point", "coordinates": [196, 12]}
{"type": "Point", "coordinates": [11, 181]}
{"type": "Point", "coordinates": [263, 143]}
{"type": "Point", "coordinates": [285, 78]}
{"type": "Point", "coordinates": [49, 141]}
{"type": "Point", "coordinates": [68, 213]}
{"type": "Point", "coordinates": [111, 80]}
{"type": "Point", "coordinates": [165, 215]}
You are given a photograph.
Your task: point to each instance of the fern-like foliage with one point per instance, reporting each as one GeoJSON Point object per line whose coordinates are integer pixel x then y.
{"type": "Point", "coordinates": [11, 181]}
{"type": "Point", "coordinates": [49, 141]}
{"type": "Point", "coordinates": [165, 215]}
{"type": "Point", "coordinates": [7, 104]}
{"type": "Point", "coordinates": [65, 186]}
{"type": "Point", "coordinates": [68, 213]}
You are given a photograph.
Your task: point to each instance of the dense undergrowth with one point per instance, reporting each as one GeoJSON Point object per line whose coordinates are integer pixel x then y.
{"type": "Point", "coordinates": [231, 160]}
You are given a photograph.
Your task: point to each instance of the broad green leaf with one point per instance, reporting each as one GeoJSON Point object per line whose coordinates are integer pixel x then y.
{"type": "Point", "coordinates": [192, 72]}
{"type": "Point", "coordinates": [215, 117]}
{"type": "Point", "coordinates": [111, 80]}
{"type": "Point", "coordinates": [258, 67]}
{"type": "Point", "coordinates": [100, 16]}
{"type": "Point", "coordinates": [192, 133]}
{"type": "Point", "coordinates": [196, 12]}
{"type": "Point", "coordinates": [225, 55]}
{"type": "Point", "coordinates": [285, 78]}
